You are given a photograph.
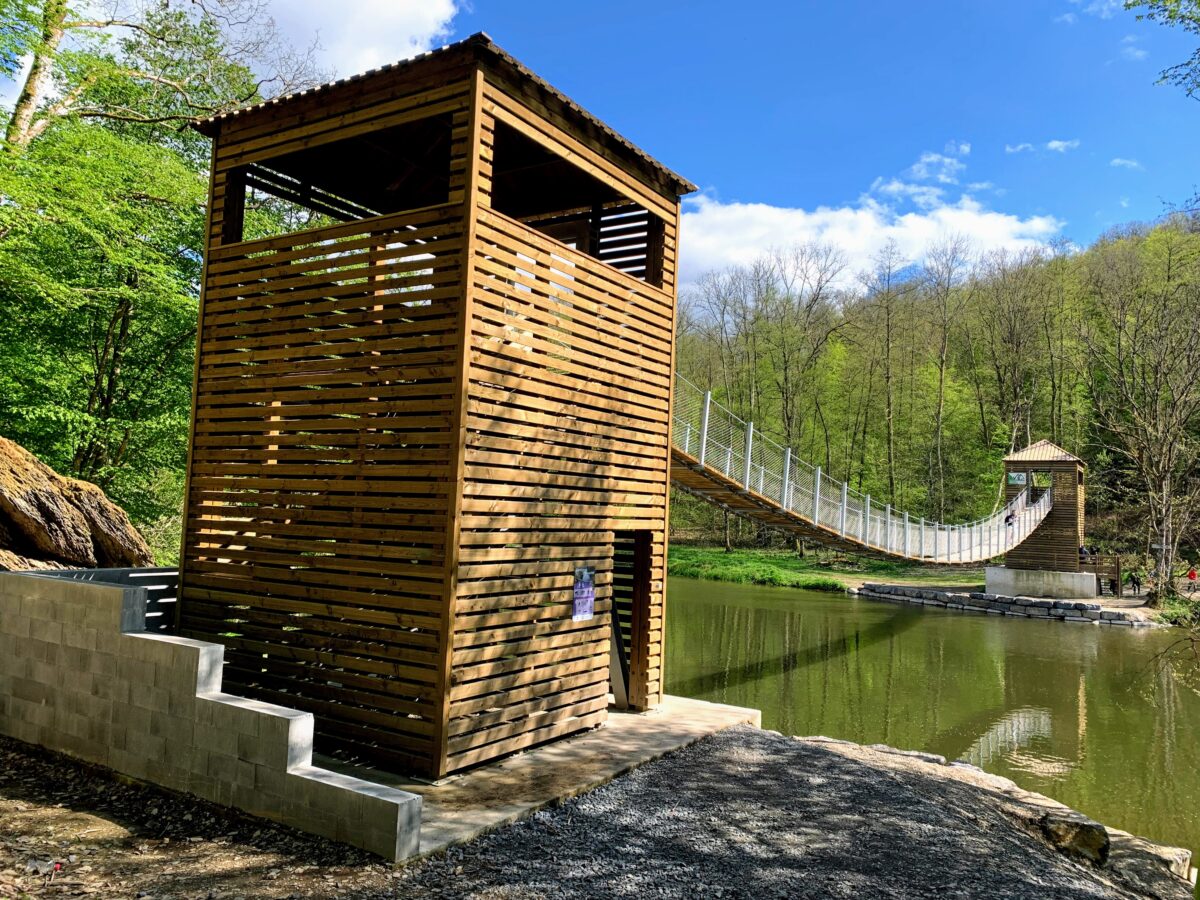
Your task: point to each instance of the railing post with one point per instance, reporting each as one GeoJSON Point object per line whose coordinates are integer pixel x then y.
{"type": "Point", "coordinates": [749, 450]}
{"type": "Point", "coordinates": [816, 495]}
{"type": "Point", "coordinates": [786, 499]}
{"type": "Point", "coordinates": [845, 503]}
{"type": "Point", "coordinates": [728, 460]}
{"type": "Point", "coordinates": [704, 426]}
{"type": "Point", "coordinates": [906, 538]}
{"type": "Point", "coordinates": [687, 438]}
{"type": "Point", "coordinates": [936, 529]}
{"type": "Point", "coordinates": [887, 528]}
{"type": "Point", "coordinates": [921, 539]}
{"type": "Point", "coordinates": [866, 522]}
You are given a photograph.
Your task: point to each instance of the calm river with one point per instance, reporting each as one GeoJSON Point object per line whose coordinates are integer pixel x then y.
{"type": "Point", "coordinates": [1073, 711]}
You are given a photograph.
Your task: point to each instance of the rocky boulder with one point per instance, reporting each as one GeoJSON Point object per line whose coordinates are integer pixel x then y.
{"type": "Point", "coordinates": [51, 522]}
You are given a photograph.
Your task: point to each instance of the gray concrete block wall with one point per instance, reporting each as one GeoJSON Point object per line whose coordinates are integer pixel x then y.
{"type": "Point", "coordinates": [79, 674]}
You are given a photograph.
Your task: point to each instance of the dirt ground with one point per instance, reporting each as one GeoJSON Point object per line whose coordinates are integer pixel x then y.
{"type": "Point", "coordinates": [67, 831]}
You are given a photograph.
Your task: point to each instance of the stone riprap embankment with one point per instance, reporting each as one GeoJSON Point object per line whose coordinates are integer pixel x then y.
{"type": "Point", "coordinates": [1081, 611]}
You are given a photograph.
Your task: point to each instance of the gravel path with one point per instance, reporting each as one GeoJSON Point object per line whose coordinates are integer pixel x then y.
{"type": "Point", "coordinates": [752, 814]}
{"type": "Point", "coordinates": [746, 813]}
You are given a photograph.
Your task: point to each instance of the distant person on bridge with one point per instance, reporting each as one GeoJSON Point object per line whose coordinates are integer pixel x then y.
{"type": "Point", "coordinates": [1009, 519]}
{"type": "Point", "coordinates": [1083, 553]}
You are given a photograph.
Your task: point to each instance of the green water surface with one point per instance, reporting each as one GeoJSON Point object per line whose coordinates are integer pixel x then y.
{"type": "Point", "coordinates": [1081, 713]}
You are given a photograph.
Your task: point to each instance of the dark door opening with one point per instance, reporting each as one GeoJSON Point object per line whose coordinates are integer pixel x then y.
{"type": "Point", "coordinates": [630, 591]}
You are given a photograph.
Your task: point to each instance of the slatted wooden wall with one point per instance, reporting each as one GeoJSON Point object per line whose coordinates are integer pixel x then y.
{"type": "Point", "coordinates": [567, 442]}
{"type": "Point", "coordinates": [1054, 544]}
{"type": "Point", "coordinates": [409, 429]}
{"type": "Point", "coordinates": [323, 452]}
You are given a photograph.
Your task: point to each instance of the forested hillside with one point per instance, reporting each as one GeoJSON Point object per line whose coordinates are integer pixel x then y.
{"type": "Point", "coordinates": [913, 379]}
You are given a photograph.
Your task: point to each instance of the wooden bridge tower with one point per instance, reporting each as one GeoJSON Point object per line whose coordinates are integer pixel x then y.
{"type": "Point", "coordinates": [1054, 544]}
{"type": "Point", "coordinates": [1048, 562]}
{"type": "Point", "coordinates": [428, 471]}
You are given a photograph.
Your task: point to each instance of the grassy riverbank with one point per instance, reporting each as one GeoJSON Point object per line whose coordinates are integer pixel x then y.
{"type": "Point", "coordinates": [1177, 609]}
{"type": "Point", "coordinates": [819, 571]}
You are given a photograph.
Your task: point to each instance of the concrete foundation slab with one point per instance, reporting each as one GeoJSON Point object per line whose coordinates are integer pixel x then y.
{"type": "Point", "coordinates": [462, 807]}
{"type": "Point", "coordinates": [1037, 583]}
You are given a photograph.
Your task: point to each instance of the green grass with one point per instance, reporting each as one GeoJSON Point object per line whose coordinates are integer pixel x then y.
{"type": "Point", "coordinates": [1176, 609]}
{"type": "Point", "coordinates": [822, 571]}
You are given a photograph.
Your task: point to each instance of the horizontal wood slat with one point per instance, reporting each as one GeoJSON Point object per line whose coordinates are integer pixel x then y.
{"type": "Point", "coordinates": [320, 477]}
{"type": "Point", "coordinates": [411, 429]}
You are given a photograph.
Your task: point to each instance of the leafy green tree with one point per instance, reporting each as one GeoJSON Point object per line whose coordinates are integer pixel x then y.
{"type": "Point", "coordinates": [102, 192]}
{"type": "Point", "coordinates": [1183, 14]}
{"type": "Point", "coordinates": [98, 275]}
{"type": "Point", "coordinates": [162, 63]}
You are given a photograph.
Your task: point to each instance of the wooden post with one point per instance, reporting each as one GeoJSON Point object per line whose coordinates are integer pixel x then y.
{"type": "Point", "coordinates": [704, 426]}
{"type": "Point", "coordinates": [749, 451]}
{"type": "Point", "coordinates": [786, 499]}
{"type": "Point", "coordinates": [816, 495]}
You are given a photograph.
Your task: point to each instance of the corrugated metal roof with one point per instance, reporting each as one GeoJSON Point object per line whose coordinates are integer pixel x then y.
{"type": "Point", "coordinates": [1042, 451]}
{"type": "Point", "coordinates": [481, 40]}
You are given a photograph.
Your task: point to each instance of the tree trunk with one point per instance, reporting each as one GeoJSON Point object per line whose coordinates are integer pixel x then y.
{"type": "Point", "coordinates": [37, 83]}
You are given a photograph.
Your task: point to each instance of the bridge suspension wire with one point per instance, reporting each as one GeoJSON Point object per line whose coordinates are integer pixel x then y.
{"type": "Point", "coordinates": [739, 460]}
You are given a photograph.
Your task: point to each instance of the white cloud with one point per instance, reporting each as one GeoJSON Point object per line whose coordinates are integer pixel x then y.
{"type": "Point", "coordinates": [1122, 163]}
{"type": "Point", "coordinates": [1130, 50]}
{"type": "Point", "coordinates": [937, 166]}
{"type": "Point", "coordinates": [1124, 203]}
{"type": "Point", "coordinates": [1067, 19]}
{"type": "Point", "coordinates": [958, 148]}
{"type": "Point", "coordinates": [718, 234]}
{"type": "Point", "coordinates": [1062, 146]}
{"type": "Point", "coordinates": [1105, 9]}
{"type": "Point", "coordinates": [925, 196]}
{"type": "Point", "coordinates": [357, 35]}
{"type": "Point", "coordinates": [976, 186]}
{"type": "Point", "coordinates": [1018, 148]}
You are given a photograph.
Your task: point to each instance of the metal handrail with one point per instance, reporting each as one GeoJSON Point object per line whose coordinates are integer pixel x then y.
{"type": "Point", "coordinates": [721, 442]}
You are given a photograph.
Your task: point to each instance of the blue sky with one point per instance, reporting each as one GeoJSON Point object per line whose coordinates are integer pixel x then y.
{"type": "Point", "coordinates": [1013, 123]}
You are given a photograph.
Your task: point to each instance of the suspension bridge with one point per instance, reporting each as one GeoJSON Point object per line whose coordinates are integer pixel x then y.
{"type": "Point", "coordinates": [724, 460]}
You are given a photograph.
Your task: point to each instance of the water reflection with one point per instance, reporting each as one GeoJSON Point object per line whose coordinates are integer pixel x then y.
{"type": "Point", "coordinates": [1010, 734]}
{"type": "Point", "coordinates": [1074, 711]}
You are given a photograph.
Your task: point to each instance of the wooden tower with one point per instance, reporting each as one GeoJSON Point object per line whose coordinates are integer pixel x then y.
{"type": "Point", "coordinates": [430, 446]}
{"type": "Point", "coordinates": [1054, 544]}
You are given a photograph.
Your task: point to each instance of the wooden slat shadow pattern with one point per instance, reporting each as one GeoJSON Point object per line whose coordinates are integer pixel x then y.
{"type": "Point", "coordinates": [567, 442]}
{"type": "Point", "coordinates": [320, 473]}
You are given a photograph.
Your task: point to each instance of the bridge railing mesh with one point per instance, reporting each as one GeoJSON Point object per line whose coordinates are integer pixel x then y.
{"type": "Point", "coordinates": [721, 442]}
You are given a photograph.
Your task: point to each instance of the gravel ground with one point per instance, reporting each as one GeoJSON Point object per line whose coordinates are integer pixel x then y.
{"type": "Point", "coordinates": [746, 813]}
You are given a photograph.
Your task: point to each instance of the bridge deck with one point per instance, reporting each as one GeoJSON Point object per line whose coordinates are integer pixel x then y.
{"type": "Point", "coordinates": [723, 460]}
{"type": "Point", "coordinates": [710, 485]}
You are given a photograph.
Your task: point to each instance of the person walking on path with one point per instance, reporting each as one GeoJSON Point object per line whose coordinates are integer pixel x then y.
{"type": "Point", "coordinates": [1135, 582]}
{"type": "Point", "coordinates": [1191, 577]}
